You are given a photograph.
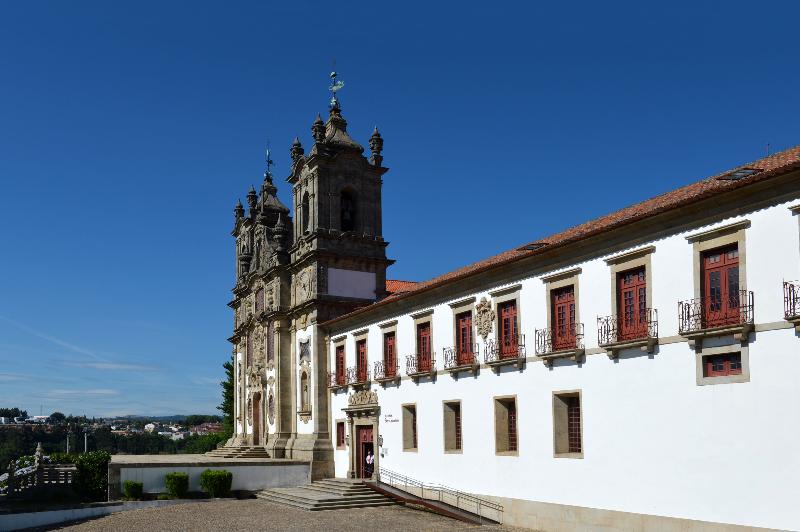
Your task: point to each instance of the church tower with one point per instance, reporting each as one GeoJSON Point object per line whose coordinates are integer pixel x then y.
{"type": "Point", "coordinates": [292, 277]}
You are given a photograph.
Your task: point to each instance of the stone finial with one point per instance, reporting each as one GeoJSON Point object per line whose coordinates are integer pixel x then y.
{"type": "Point", "coordinates": [252, 200]}
{"type": "Point", "coordinates": [297, 150]}
{"type": "Point", "coordinates": [318, 129]}
{"type": "Point", "coordinates": [376, 145]}
{"type": "Point", "coordinates": [238, 211]}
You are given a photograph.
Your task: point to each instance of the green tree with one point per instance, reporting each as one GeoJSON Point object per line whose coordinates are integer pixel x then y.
{"type": "Point", "coordinates": [227, 399]}
{"type": "Point", "coordinates": [57, 417]}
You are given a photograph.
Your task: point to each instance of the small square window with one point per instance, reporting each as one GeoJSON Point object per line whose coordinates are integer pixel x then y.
{"type": "Point", "coordinates": [340, 435]}
{"type": "Point", "coordinates": [505, 426]}
{"type": "Point", "coordinates": [722, 365]}
{"type": "Point", "coordinates": [409, 427]}
{"type": "Point", "coordinates": [452, 426]}
{"type": "Point", "coordinates": [567, 425]}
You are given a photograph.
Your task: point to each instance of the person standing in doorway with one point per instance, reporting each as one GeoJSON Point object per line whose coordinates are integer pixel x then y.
{"type": "Point", "coordinates": [370, 464]}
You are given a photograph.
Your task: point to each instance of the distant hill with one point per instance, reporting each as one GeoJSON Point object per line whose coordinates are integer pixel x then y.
{"type": "Point", "coordinates": [160, 419]}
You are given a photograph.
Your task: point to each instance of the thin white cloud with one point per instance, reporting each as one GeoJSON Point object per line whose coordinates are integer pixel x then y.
{"type": "Point", "coordinates": [111, 366]}
{"type": "Point", "coordinates": [13, 377]}
{"type": "Point", "coordinates": [52, 339]}
{"type": "Point", "coordinates": [94, 392]}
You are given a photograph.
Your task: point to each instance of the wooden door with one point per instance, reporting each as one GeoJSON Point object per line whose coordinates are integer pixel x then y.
{"type": "Point", "coordinates": [508, 329]}
{"type": "Point", "coordinates": [632, 305]}
{"type": "Point", "coordinates": [464, 338]}
{"type": "Point", "coordinates": [721, 286]}
{"type": "Point", "coordinates": [361, 360]}
{"type": "Point", "coordinates": [389, 356]}
{"type": "Point", "coordinates": [363, 447]}
{"type": "Point", "coordinates": [563, 318]}
{"type": "Point", "coordinates": [424, 347]}
{"type": "Point", "coordinates": [341, 378]}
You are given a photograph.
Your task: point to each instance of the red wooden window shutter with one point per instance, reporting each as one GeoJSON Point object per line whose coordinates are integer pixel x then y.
{"type": "Point", "coordinates": [464, 337]}
{"type": "Point", "coordinates": [512, 426]}
{"type": "Point", "coordinates": [340, 375]}
{"type": "Point", "coordinates": [563, 317]}
{"type": "Point", "coordinates": [389, 356]}
{"type": "Point", "coordinates": [723, 365]}
{"type": "Point", "coordinates": [361, 361]}
{"type": "Point", "coordinates": [574, 423]}
{"type": "Point", "coordinates": [424, 346]}
{"type": "Point", "coordinates": [721, 286]}
{"type": "Point", "coordinates": [508, 329]}
{"type": "Point", "coordinates": [632, 304]}
{"type": "Point", "coordinates": [340, 434]}
{"type": "Point", "coordinates": [457, 419]}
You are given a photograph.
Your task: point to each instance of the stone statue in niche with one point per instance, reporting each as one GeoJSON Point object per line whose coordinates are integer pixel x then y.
{"type": "Point", "coordinates": [305, 352]}
{"type": "Point", "coordinates": [271, 407]}
{"type": "Point", "coordinates": [484, 318]}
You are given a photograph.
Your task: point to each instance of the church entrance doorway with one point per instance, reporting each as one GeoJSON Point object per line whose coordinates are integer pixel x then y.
{"type": "Point", "coordinates": [365, 452]}
{"type": "Point", "coordinates": [257, 419]}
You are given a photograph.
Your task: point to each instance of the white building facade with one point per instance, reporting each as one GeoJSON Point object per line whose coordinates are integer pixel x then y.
{"type": "Point", "coordinates": [631, 373]}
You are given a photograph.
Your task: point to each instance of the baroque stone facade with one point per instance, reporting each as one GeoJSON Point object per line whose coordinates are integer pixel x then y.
{"type": "Point", "coordinates": [294, 273]}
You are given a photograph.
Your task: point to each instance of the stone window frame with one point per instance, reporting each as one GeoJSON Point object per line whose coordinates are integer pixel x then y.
{"type": "Point", "coordinates": [407, 435]}
{"type": "Point", "coordinates": [560, 425]}
{"type": "Point", "coordinates": [426, 316]}
{"type": "Point", "coordinates": [639, 258]}
{"type": "Point", "coordinates": [744, 353]}
{"type": "Point", "coordinates": [459, 307]}
{"type": "Point", "coordinates": [336, 422]}
{"type": "Point", "coordinates": [449, 428]}
{"type": "Point", "coordinates": [726, 235]}
{"type": "Point", "coordinates": [500, 426]}
{"type": "Point", "coordinates": [560, 280]}
{"type": "Point", "coordinates": [504, 295]}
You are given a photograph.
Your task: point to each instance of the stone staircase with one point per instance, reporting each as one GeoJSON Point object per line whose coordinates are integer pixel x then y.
{"type": "Point", "coordinates": [241, 451]}
{"type": "Point", "coordinates": [327, 494]}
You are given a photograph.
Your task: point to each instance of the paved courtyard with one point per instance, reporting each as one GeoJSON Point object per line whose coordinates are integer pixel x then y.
{"type": "Point", "coordinates": [257, 514]}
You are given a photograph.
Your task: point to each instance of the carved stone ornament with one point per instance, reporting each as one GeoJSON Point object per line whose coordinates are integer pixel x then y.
{"type": "Point", "coordinates": [249, 409]}
{"type": "Point", "coordinates": [305, 352]}
{"type": "Point", "coordinates": [484, 318]}
{"type": "Point", "coordinates": [271, 407]}
{"type": "Point", "coordinates": [362, 397]}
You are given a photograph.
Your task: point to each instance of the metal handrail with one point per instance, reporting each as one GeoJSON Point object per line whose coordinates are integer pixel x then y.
{"type": "Point", "coordinates": [791, 299]}
{"type": "Point", "coordinates": [394, 479]}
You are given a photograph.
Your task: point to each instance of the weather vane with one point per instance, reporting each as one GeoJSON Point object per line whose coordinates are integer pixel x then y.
{"type": "Point", "coordinates": [269, 160]}
{"type": "Point", "coordinates": [335, 87]}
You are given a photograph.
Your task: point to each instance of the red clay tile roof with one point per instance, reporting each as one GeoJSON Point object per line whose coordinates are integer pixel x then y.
{"type": "Point", "coordinates": [775, 164]}
{"type": "Point", "coordinates": [394, 286]}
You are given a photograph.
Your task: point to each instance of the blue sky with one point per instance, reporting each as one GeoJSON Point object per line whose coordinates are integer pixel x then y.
{"type": "Point", "coordinates": [128, 131]}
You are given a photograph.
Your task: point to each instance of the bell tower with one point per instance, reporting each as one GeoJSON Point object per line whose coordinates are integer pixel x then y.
{"type": "Point", "coordinates": [339, 254]}
{"type": "Point", "coordinates": [337, 263]}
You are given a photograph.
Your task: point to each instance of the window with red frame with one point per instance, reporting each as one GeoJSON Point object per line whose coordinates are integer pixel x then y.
{"type": "Point", "coordinates": [508, 329]}
{"type": "Point", "coordinates": [574, 423]}
{"type": "Point", "coordinates": [340, 441]}
{"type": "Point", "coordinates": [632, 304]}
{"type": "Point", "coordinates": [389, 355]}
{"type": "Point", "coordinates": [424, 346]}
{"type": "Point", "coordinates": [721, 286]}
{"type": "Point", "coordinates": [464, 337]}
{"type": "Point", "coordinates": [722, 365]}
{"type": "Point", "coordinates": [512, 426]}
{"type": "Point", "coordinates": [563, 317]}
{"type": "Point", "coordinates": [361, 360]}
{"type": "Point", "coordinates": [341, 378]}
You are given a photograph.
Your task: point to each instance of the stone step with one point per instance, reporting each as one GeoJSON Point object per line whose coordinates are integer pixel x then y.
{"type": "Point", "coordinates": [329, 494]}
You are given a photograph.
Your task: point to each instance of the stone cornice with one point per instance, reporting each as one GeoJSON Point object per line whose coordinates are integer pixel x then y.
{"type": "Point", "coordinates": [625, 257]}
{"type": "Point", "coordinates": [713, 233]}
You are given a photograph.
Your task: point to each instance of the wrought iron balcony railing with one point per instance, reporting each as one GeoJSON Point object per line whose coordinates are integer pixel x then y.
{"type": "Point", "coordinates": [498, 351]}
{"type": "Point", "coordinates": [336, 380]}
{"type": "Point", "coordinates": [696, 315]}
{"type": "Point", "coordinates": [618, 329]}
{"type": "Point", "coordinates": [357, 375]}
{"type": "Point", "coordinates": [568, 337]}
{"type": "Point", "coordinates": [791, 299]}
{"type": "Point", "coordinates": [383, 371]}
{"type": "Point", "coordinates": [420, 363]}
{"type": "Point", "coordinates": [458, 358]}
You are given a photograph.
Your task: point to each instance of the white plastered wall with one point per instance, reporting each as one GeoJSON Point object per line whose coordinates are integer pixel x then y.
{"type": "Point", "coordinates": [654, 441]}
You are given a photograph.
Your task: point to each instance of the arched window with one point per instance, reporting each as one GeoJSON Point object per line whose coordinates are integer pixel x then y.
{"type": "Point", "coordinates": [347, 207]}
{"type": "Point", "coordinates": [305, 213]}
{"type": "Point", "coordinates": [304, 392]}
